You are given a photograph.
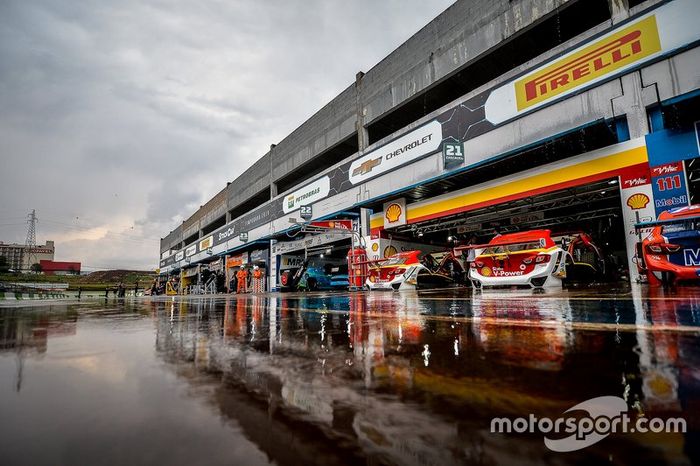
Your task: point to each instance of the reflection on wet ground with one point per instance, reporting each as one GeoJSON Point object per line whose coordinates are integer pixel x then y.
{"type": "Point", "coordinates": [352, 378]}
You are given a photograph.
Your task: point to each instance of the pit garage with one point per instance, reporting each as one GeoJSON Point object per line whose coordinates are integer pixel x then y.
{"type": "Point", "coordinates": [601, 193]}
{"type": "Point", "coordinates": [314, 258]}
{"type": "Point", "coordinates": [594, 209]}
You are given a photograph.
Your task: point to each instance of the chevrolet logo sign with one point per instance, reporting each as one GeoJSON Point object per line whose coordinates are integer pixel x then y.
{"type": "Point", "coordinates": [367, 166]}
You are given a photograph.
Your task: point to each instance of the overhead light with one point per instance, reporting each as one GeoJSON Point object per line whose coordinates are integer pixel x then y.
{"type": "Point", "coordinates": [612, 182]}
{"type": "Point", "coordinates": [420, 233]}
{"type": "Point", "coordinates": [602, 192]}
{"type": "Point", "coordinates": [321, 256]}
{"type": "Point", "coordinates": [450, 238]}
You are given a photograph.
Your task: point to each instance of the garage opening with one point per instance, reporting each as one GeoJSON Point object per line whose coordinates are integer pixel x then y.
{"type": "Point", "coordinates": [593, 209]}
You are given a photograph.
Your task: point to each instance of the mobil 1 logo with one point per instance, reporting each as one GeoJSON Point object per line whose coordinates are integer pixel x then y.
{"type": "Point", "coordinates": [452, 154]}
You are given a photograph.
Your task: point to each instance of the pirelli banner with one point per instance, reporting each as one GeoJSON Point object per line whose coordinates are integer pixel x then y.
{"type": "Point", "coordinates": [659, 32]}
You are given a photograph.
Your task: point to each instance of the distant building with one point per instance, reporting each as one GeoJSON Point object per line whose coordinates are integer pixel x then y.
{"type": "Point", "coordinates": [18, 256]}
{"type": "Point", "coordinates": [49, 267]}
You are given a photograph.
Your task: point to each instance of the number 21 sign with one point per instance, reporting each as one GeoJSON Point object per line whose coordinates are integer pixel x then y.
{"type": "Point", "coordinates": [452, 154]}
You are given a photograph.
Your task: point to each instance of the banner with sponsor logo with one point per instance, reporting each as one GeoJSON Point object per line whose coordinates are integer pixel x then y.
{"type": "Point", "coordinates": [407, 148]}
{"type": "Point", "coordinates": [191, 251]}
{"type": "Point", "coordinates": [395, 213]}
{"type": "Point", "coordinates": [630, 45]}
{"type": "Point", "coordinates": [237, 260]}
{"type": "Point", "coordinates": [636, 197]}
{"type": "Point", "coordinates": [669, 186]}
{"type": "Point", "coordinates": [310, 241]}
{"type": "Point", "coordinates": [339, 224]}
{"type": "Point", "coordinates": [206, 243]}
{"type": "Point", "coordinates": [309, 194]}
{"type": "Point", "coordinates": [528, 217]}
{"type": "Point", "coordinates": [381, 248]}
{"type": "Point", "coordinates": [290, 262]}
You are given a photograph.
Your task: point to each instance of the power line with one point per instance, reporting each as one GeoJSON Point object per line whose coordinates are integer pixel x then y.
{"type": "Point", "coordinates": [30, 242]}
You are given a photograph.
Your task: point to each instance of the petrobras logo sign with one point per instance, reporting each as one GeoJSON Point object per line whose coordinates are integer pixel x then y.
{"type": "Point", "coordinates": [309, 194]}
{"type": "Point", "coordinates": [668, 28]}
{"type": "Point", "coordinates": [179, 256]}
{"type": "Point", "coordinates": [409, 147]}
{"type": "Point", "coordinates": [191, 251]}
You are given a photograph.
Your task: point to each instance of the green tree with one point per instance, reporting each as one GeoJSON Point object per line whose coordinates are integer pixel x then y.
{"type": "Point", "coordinates": [36, 268]}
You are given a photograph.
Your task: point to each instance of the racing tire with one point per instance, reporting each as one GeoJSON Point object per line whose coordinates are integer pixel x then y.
{"type": "Point", "coordinates": [667, 278]}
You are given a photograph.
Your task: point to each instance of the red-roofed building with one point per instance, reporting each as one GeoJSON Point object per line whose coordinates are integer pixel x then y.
{"type": "Point", "coordinates": [59, 268]}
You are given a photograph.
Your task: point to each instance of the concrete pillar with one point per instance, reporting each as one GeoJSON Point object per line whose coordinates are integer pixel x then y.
{"type": "Point", "coordinates": [362, 133]}
{"type": "Point", "coordinates": [273, 185]}
{"type": "Point", "coordinates": [633, 102]}
{"type": "Point", "coordinates": [619, 10]}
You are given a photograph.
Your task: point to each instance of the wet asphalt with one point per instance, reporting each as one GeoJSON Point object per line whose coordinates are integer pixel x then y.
{"type": "Point", "coordinates": [344, 378]}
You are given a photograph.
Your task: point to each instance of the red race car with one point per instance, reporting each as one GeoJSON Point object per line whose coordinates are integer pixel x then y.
{"type": "Point", "coordinates": [671, 252]}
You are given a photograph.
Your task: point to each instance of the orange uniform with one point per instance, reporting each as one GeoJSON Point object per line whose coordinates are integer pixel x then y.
{"type": "Point", "coordinates": [242, 276]}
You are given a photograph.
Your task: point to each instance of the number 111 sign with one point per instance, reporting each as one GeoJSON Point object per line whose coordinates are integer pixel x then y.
{"type": "Point", "coordinates": [669, 186]}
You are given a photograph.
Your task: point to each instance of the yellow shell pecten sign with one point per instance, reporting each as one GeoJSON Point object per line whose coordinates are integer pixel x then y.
{"type": "Point", "coordinates": [637, 201]}
{"type": "Point", "coordinates": [393, 213]}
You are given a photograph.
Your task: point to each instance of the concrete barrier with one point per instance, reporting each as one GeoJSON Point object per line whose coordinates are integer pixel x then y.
{"type": "Point", "coordinates": [16, 296]}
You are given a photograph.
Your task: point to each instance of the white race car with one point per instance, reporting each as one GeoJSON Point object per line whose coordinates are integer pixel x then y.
{"type": "Point", "coordinates": [414, 269]}
{"type": "Point", "coordinates": [529, 258]}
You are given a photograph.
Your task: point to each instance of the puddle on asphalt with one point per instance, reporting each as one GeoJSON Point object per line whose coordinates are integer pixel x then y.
{"type": "Point", "coordinates": [382, 378]}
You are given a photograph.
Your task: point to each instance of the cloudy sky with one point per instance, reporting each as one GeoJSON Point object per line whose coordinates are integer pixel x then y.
{"type": "Point", "coordinates": [118, 119]}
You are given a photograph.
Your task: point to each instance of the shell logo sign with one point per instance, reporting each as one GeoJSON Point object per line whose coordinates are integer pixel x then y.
{"type": "Point", "coordinates": [486, 272]}
{"type": "Point", "coordinates": [390, 251]}
{"type": "Point", "coordinates": [395, 213]}
{"type": "Point", "coordinates": [375, 247]}
{"type": "Point", "coordinates": [637, 201]}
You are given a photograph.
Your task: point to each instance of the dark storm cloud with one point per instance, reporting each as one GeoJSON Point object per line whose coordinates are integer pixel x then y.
{"type": "Point", "coordinates": [118, 119]}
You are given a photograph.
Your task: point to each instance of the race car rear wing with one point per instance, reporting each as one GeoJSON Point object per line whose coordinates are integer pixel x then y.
{"type": "Point", "coordinates": [668, 221]}
{"type": "Point", "coordinates": [374, 263]}
{"type": "Point", "coordinates": [459, 249]}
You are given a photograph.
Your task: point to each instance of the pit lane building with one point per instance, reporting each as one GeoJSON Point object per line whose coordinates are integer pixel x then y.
{"type": "Point", "coordinates": [496, 116]}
